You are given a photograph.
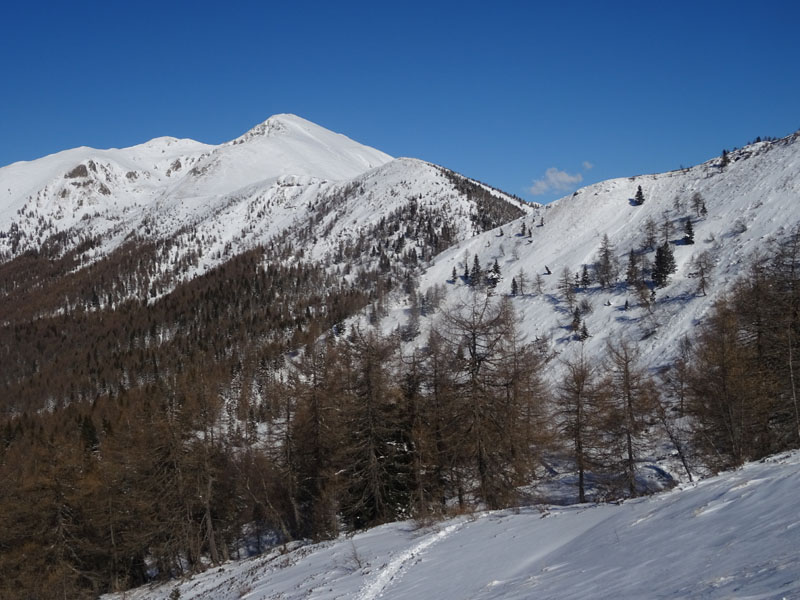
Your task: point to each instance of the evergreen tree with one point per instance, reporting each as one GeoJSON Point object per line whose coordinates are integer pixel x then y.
{"type": "Point", "coordinates": [724, 160]}
{"type": "Point", "coordinates": [639, 197]}
{"type": "Point", "coordinates": [493, 275]}
{"type": "Point", "coordinates": [476, 274]}
{"type": "Point", "coordinates": [688, 236]}
{"type": "Point", "coordinates": [585, 280]}
{"type": "Point", "coordinates": [664, 265]}
{"type": "Point", "coordinates": [514, 289]}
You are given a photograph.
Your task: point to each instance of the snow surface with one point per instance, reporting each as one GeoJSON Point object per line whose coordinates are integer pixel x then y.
{"type": "Point", "coordinates": [736, 535]}
{"type": "Point", "coordinates": [751, 203]}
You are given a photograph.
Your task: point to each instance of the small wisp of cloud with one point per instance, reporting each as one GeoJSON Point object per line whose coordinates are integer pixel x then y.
{"type": "Point", "coordinates": [556, 180]}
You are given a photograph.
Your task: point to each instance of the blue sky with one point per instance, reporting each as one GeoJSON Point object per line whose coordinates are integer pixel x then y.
{"type": "Point", "coordinates": [534, 98]}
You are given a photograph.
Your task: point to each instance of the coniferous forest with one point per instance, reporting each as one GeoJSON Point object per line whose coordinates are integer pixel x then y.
{"type": "Point", "coordinates": [177, 400]}
{"type": "Point", "coordinates": [150, 440]}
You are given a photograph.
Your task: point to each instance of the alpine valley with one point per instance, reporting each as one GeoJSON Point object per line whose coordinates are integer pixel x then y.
{"type": "Point", "coordinates": [211, 352]}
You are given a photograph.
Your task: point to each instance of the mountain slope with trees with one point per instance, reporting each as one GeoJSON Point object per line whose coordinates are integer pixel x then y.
{"type": "Point", "coordinates": [243, 352]}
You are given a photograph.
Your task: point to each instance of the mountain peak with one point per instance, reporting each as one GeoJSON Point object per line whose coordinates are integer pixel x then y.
{"type": "Point", "coordinates": [277, 125]}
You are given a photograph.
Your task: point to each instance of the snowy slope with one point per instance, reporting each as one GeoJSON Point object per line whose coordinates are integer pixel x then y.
{"type": "Point", "coordinates": [288, 179]}
{"type": "Point", "coordinates": [285, 179]}
{"type": "Point", "coordinates": [751, 203]}
{"type": "Point", "coordinates": [168, 183]}
{"type": "Point", "coordinates": [732, 536]}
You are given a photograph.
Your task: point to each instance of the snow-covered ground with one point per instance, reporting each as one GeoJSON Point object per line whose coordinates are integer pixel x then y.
{"type": "Point", "coordinates": [751, 204]}
{"type": "Point", "coordinates": [736, 535]}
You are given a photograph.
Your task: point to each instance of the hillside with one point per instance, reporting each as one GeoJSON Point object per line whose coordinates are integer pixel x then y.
{"type": "Point", "coordinates": [731, 536]}
{"type": "Point", "coordinates": [292, 336]}
{"type": "Point", "coordinates": [285, 178]}
{"type": "Point", "coordinates": [746, 208]}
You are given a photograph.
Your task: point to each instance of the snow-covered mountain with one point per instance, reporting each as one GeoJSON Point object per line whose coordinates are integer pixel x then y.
{"type": "Point", "coordinates": [737, 211]}
{"type": "Point", "coordinates": [286, 172]}
{"type": "Point", "coordinates": [731, 536]}
{"type": "Point", "coordinates": [178, 287]}
{"type": "Point", "coordinates": [305, 193]}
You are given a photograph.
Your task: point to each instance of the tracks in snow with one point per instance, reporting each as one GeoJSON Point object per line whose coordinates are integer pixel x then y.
{"type": "Point", "coordinates": [388, 573]}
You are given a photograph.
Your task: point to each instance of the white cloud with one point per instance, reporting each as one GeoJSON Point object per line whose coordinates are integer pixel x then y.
{"type": "Point", "coordinates": [554, 180]}
{"type": "Point", "coordinates": [587, 166]}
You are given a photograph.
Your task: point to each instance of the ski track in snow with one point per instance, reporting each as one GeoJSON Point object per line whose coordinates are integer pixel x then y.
{"type": "Point", "coordinates": [388, 573]}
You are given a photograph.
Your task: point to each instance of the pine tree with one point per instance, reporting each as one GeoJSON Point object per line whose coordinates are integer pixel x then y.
{"type": "Point", "coordinates": [688, 236]}
{"type": "Point", "coordinates": [664, 265]}
{"type": "Point", "coordinates": [493, 275]}
{"type": "Point", "coordinates": [475, 276]}
{"type": "Point", "coordinates": [639, 197]}
{"type": "Point", "coordinates": [455, 275]}
{"type": "Point", "coordinates": [585, 280]}
{"type": "Point", "coordinates": [724, 159]}
{"type": "Point", "coordinates": [514, 289]}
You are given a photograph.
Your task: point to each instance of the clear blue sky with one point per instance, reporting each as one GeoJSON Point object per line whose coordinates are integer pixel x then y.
{"type": "Point", "coordinates": [499, 91]}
